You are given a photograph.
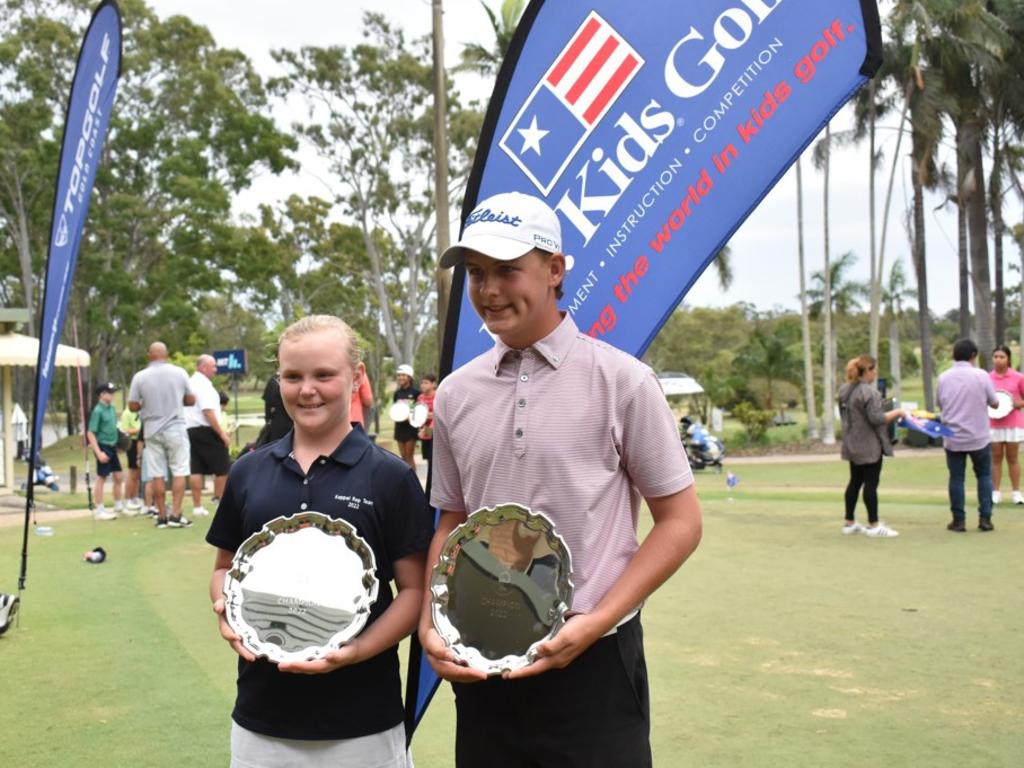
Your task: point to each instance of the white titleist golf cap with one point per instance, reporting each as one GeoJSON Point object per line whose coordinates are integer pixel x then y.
{"type": "Point", "coordinates": [505, 227]}
{"type": "Point", "coordinates": [406, 369]}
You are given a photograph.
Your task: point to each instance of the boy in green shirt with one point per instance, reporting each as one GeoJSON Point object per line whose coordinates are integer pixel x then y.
{"type": "Point", "coordinates": [102, 437]}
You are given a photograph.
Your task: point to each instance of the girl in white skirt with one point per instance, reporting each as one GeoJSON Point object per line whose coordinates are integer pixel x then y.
{"type": "Point", "coordinates": [1008, 431]}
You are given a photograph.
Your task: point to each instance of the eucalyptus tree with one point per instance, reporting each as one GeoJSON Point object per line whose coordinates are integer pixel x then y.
{"type": "Point", "coordinates": [190, 127]}
{"type": "Point", "coordinates": [369, 117]}
{"type": "Point", "coordinates": [38, 42]}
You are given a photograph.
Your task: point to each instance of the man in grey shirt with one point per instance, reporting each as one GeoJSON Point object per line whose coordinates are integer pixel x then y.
{"type": "Point", "coordinates": [158, 393]}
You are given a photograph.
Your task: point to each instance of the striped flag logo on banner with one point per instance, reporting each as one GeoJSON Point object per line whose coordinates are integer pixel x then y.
{"type": "Point", "coordinates": [576, 92]}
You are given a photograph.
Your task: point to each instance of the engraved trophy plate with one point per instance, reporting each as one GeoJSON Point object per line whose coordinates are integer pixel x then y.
{"type": "Point", "coordinates": [301, 587]}
{"type": "Point", "coordinates": [502, 585]}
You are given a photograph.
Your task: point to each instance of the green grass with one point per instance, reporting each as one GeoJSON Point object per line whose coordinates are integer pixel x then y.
{"type": "Point", "coordinates": [781, 642]}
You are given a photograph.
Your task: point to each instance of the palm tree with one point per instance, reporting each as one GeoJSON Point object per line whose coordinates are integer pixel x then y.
{"type": "Point", "coordinates": [723, 268]}
{"type": "Point", "coordinates": [805, 318]}
{"type": "Point", "coordinates": [895, 292]}
{"type": "Point", "coordinates": [911, 27]}
{"type": "Point", "coordinates": [845, 293]}
{"type": "Point", "coordinates": [766, 356]}
{"type": "Point", "coordinates": [827, 416]}
{"type": "Point", "coordinates": [1004, 100]}
{"type": "Point", "coordinates": [486, 61]}
{"type": "Point", "coordinates": [969, 43]}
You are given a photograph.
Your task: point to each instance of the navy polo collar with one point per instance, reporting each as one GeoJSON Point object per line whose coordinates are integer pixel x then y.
{"type": "Point", "coordinates": [348, 452]}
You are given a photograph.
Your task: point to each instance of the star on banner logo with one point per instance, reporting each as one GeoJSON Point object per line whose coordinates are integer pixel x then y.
{"type": "Point", "coordinates": [582, 83]}
{"type": "Point", "coordinates": [531, 137]}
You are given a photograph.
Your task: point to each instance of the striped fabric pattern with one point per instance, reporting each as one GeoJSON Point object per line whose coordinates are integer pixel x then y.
{"type": "Point", "coordinates": [571, 427]}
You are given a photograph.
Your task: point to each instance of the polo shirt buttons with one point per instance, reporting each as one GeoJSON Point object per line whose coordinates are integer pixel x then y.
{"type": "Point", "coordinates": [302, 505]}
{"type": "Point", "coordinates": [305, 481]}
{"type": "Point", "coordinates": [524, 377]}
{"type": "Point", "coordinates": [522, 402]}
{"type": "Point", "coordinates": [323, 461]}
{"type": "Point", "coordinates": [519, 433]}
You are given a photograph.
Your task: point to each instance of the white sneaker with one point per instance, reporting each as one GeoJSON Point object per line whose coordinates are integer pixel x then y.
{"type": "Point", "coordinates": [852, 528]}
{"type": "Point", "coordinates": [118, 508]}
{"type": "Point", "coordinates": [134, 504]}
{"type": "Point", "coordinates": [880, 530]}
{"type": "Point", "coordinates": [996, 497]}
{"type": "Point", "coordinates": [1018, 497]}
{"type": "Point", "coordinates": [103, 514]}
{"type": "Point", "coordinates": [200, 511]}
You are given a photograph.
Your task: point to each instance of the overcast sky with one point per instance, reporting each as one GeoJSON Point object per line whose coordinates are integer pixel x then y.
{"type": "Point", "coordinates": [763, 250]}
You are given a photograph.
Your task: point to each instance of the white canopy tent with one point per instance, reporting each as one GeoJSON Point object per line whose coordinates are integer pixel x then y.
{"type": "Point", "coordinates": [18, 349]}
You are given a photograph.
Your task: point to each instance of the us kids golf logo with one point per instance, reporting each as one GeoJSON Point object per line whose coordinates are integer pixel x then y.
{"type": "Point", "coordinates": [579, 88]}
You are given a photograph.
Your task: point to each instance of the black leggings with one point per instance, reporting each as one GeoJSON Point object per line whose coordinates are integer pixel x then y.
{"type": "Point", "coordinates": [866, 475]}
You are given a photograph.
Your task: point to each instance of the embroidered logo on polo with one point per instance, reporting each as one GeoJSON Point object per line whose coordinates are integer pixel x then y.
{"type": "Point", "coordinates": [581, 85]}
{"type": "Point", "coordinates": [353, 502]}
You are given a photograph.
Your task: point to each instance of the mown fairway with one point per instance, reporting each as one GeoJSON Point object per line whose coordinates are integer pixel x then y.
{"type": "Point", "coordinates": [782, 643]}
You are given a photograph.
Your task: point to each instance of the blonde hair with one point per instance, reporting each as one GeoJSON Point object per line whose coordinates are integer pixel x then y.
{"type": "Point", "coordinates": [858, 366]}
{"type": "Point", "coordinates": [314, 323]}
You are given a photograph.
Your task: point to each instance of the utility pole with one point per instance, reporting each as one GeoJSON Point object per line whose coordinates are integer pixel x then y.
{"type": "Point", "coordinates": [444, 276]}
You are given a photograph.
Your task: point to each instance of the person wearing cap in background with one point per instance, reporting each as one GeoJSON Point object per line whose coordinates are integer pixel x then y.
{"type": "Point", "coordinates": [102, 437]}
{"type": "Point", "coordinates": [405, 433]}
{"type": "Point", "coordinates": [518, 425]}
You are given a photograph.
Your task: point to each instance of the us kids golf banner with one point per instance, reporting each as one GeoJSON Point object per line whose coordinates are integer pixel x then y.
{"type": "Point", "coordinates": [85, 128]}
{"type": "Point", "coordinates": [653, 129]}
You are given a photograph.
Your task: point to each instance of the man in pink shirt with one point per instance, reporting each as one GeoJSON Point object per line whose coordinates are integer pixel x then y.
{"type": "Point", "coordinates": [569, 426]}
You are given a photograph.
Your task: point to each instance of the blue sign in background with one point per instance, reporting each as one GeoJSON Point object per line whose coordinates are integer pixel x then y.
{"type": "Point", "coordinates": [230, 360]}
{"type": "Point", "coordinates": [651, 168]}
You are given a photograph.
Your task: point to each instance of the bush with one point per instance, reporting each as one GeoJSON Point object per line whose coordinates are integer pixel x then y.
{"type": "Point", "coordinates": [754, 420]}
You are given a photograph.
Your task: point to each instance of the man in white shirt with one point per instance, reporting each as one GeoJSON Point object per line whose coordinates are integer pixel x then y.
{"type": "Point", "coordinates": [208, 439]}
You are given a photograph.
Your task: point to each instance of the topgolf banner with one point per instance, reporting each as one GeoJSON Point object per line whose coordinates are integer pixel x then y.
{"type": "Point", "coordinates": [653, 129]}
{"type": "Point", "coordinates": [85, 128]}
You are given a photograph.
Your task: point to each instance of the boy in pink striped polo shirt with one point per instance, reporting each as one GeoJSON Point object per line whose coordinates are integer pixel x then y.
{"type": "Point", "coordinates": [570, 426]}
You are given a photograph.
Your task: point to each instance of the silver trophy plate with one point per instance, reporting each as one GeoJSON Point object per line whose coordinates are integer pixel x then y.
{"type": "Point", "coordinates": [502, 585]}
{"type": "Point", "coordinates": [301, 587]}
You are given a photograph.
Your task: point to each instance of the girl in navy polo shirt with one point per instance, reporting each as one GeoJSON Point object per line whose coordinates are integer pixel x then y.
{"type": "Point", "coordinates": [344, 709]}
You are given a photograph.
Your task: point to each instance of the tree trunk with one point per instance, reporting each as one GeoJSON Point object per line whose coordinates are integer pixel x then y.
{"type": "Point", "coordinates": [805, 315]}
{"type": "Point", "coordinates": [876, 277]}
{"type": "Point", "coordinates": [895, 374]}
{"type": "Point", "coordinates": [996, 204]}
{"type": "Point", "coordinates": [443, 277]}
{"type": "Point", "coordinates": [827, 417]}
{"type": "Point", "coordinates": [965, 271]}
{"type": "Point", "coordinates": [921, 271]}
{"type": "Point", "coordinates": [876, 289]}
{"type": "Point", "coordinates": [963, 261]}
{"type": "Point", "coordinates": [977, 223]}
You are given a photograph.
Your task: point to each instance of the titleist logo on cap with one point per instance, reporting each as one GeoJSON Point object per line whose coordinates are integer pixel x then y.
{"type": "Point", "coordinates": [486, 214]}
